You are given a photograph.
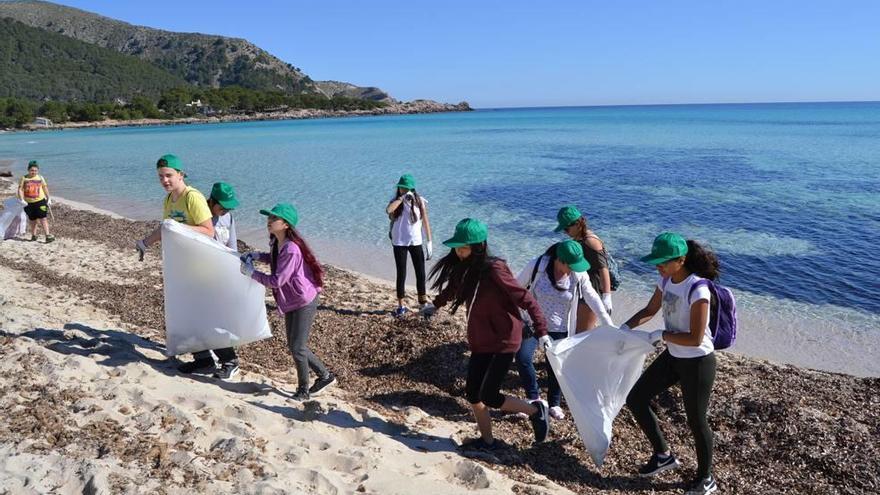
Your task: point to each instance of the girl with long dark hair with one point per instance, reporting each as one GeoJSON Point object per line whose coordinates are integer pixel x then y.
{"type": "Point", "coordinates": [408, 212]}
{"type": "Point", "coordinates": [689, 358]}
{"type": "Point", "coordinates": [571, 221]}
{"type": "Point", "coordinates": [492, 298]}
{"type": "Point", "coordinates": [296, 279]}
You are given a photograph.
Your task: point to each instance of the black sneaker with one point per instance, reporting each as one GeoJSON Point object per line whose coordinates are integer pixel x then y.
{"type": "Point", "coordinates": [657, 464]}
{"type": "Point", "coordinates": [702, 486]}
{"type": "Point", "coordinates": [301, 395]}
{"type": "Point", "coordinates": [321, 384]}
{"type": "Point", "coordinates": [227, 371]}
{"type": "Point", "coordinates": [540, 421]}
{"type": "Point", "coordinates": [198, 367]}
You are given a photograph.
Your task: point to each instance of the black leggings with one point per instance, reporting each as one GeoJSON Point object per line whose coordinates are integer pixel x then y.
{"type": "Point", "coordinates": [486, 372]}
{"type": "Point", "coordinates": [418, 259]}
{"type": "Point", "coordinates": [696, 377]}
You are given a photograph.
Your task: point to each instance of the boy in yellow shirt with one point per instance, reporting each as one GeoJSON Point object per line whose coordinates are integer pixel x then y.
{"type": "Point", "coordinates": [34, 196]}
{"type": "Point", "coordinates": [183, 203]}
{"type": "Point", "coordinates": [188, 206]}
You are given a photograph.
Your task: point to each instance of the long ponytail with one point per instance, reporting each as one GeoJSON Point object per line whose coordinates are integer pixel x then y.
{"type": "Point", "coordinates": [308, 256]}
{"type": "Point", "coordinates": [702, 261]}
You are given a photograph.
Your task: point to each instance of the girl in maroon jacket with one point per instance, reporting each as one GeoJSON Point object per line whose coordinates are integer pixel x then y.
{"type": "Point", "coordinates": [493, 299]}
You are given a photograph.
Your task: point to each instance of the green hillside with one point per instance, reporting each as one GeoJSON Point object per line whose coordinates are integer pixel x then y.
{"type": "Point", "coordinates": [203, 60]}
{"type": "Point", "coordinates": [36, 64]}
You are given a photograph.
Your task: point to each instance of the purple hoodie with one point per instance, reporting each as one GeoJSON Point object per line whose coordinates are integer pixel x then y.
{"type": "Point", "coordinates": [292, 281]}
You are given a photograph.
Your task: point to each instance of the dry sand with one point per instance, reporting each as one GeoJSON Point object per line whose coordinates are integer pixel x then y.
{"type": "Point", "coordinates": [91, 404]}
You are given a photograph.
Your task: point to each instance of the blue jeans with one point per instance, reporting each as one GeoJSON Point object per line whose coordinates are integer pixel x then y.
{"type": "Point", "coordinates": [525, 364]}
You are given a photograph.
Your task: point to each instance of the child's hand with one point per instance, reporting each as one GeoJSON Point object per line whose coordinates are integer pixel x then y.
{"type": "Point", "coordinates": [247, 268]}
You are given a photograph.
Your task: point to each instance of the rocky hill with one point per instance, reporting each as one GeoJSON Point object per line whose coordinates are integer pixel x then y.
{"type": "Point", "coordinates": [336, 88]}
{"type": "Point", "coordinates": [200, 59]}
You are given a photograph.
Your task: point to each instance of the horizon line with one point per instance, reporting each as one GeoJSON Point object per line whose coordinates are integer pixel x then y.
{"type": "Point", "coordinates": [615, 105]}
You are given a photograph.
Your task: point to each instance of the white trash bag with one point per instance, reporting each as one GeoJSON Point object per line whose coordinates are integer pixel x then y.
{"type": "Point", "coordinates": [13, 221]}
{"type": "Point", "coordinates": [209, 304]}
{"type": "Point", "coordinates": [596, 370]}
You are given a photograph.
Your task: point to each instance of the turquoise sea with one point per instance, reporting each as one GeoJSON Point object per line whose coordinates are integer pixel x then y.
{"type": "Point", "coordinates": [787, 194]}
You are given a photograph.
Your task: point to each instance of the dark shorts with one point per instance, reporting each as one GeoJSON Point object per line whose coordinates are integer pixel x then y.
{"type": "Point", "coordinates": [38, 210]}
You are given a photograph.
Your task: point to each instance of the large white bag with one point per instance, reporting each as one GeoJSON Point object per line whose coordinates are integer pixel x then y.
{"type": "Point", "coordinates": [209, 304]}
{"type": "Point", "coordinates": [596, 370]}
{"type": "Point", "coordinates": [13, 221]}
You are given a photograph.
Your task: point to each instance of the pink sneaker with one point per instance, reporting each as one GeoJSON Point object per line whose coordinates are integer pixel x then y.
{"type": "Point", "coordinates": [556, 413]}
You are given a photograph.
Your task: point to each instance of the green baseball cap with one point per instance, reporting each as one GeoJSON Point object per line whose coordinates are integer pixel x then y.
{"type": "Point", "coordinates": [567, 215]}
{"type": "Point", "coordinates": [407, 182]}
{"type": "Point", "coordinates": [667, 246]}
{"type": "Point", "coordinates": [468, 231]}
{"type": "Point", "coordinates": [284, 211]}
{"type": "Point", "coordinates": [170, 161]}
{"type": "Point", "coordinates": [33, 163]}
{"type": "Point", "coordinates": [572, 254]}
{"type": "Point", "coordinates": [224, 194]}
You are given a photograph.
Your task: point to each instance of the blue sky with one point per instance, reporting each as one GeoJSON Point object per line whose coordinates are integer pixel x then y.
{"type": "Point", "coordinates": [518, 53]}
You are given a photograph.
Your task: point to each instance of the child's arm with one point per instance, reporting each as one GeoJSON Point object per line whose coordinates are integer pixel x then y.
{"type": "Point", "coordinates": [593, 300]}
{"type": "Point", "coordinates": [289, 260]}
{"type": "Point", "coordinates": [645, 314]}
{"type": "Point", "coordinates": [45, 189]}
{"type": "Point", "coordinates": [206, 228]}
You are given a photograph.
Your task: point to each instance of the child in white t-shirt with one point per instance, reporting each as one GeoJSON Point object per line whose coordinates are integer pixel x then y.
{"type": "Point", "coordinates": [408, 213]}
{"type": "Point", "coordinates": [689, 358]}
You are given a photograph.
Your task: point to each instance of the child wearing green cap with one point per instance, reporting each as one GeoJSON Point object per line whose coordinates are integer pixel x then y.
{"type": "Point", "coordinates": [188, 206]}
{"type": "Point", "coordinates": [296, 280]}
{"type": "Point", "coordinates": [470, 276]}
{"type": "Point", "coordinates": [183, 203]}
{"type": "Point", "coordinates": [221, 202]}
{"type": "Point", "coordinates": [33, 192]}
{"type": "Point", "coordinates": [558, 280]}
{"type": "Point", "coordinates": [571, 221]}
{"type": "Point", "coordinates": [689, 358]}
{"type": "Point", "coordinates": [408, 212]}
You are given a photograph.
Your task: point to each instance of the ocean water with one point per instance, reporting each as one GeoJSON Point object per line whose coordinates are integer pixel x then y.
{"type": "Point", "coordinates": [788, 195]}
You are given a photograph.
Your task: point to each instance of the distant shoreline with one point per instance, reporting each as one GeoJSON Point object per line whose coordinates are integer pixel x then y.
{"type": "Point", "coordinates": [408, 108]}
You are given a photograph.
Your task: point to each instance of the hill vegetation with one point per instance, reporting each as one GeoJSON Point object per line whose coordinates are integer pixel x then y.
{"type": "Point", "coordinates": [37, 65]}
{"type": "Point", "coordinates": [200, 59]}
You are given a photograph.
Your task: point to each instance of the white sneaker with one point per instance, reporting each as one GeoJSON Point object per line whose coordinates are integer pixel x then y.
{"type": "Point", "coordinates": [556, 413]}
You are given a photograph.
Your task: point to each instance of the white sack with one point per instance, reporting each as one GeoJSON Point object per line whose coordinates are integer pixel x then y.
{"type": "Point", "coordinates": [596, 370]}
{"type": "Point", "coordinates": [13, 221]}
{"type": "Point", "coordinates": [209, 304]}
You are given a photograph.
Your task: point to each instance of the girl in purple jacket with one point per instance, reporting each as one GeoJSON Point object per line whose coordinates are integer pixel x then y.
{"type": "Point", "coordinates": [295, 280]}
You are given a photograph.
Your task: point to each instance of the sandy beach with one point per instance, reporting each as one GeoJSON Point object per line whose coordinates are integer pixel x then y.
{"type": "Point", "coordinates": [92, 405]}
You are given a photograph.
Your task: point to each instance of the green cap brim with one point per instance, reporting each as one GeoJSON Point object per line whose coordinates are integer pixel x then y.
{"type": "Point", "coordinates": [453, 243]}
{"type": "Point", "coordinates": [229, 204]}
{"type": "Point", "coordinates": [652, 260]}
{"type": "Point", "coordinates": [580, 266]}
{"type": "Point", "coordinates": [560, 228]}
